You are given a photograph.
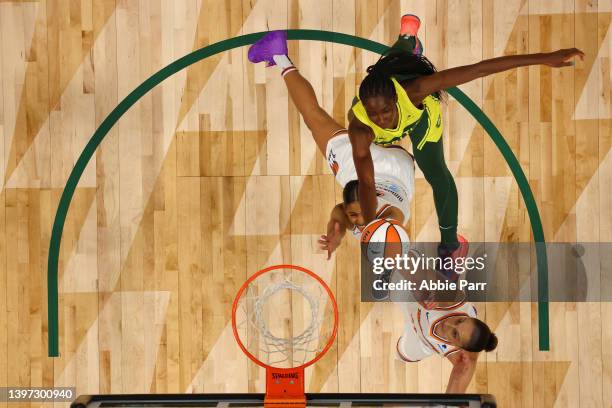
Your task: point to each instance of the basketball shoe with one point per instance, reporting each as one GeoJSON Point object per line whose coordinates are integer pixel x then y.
{"type": "Point", "coordinates": [271, 44]}
{"type": "Point", "coordinates": [409, 27]}
{"type": "Point", "coordinates": [382, 294]}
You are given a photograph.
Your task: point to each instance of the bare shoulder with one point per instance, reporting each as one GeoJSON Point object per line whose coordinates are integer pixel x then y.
{"type": "Point", "coordinates": [350, 115]}
{"type": "Point", "coordinates": [415, 90]}
{"type": "Point", "coordinates": [356, 124]}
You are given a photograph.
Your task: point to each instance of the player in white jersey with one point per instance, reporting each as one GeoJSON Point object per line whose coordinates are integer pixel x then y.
{"type": "Point", "coordinates": [394, 167]}
{"type": "Point", "coordinates": [394, 181]}
{"type": "Point", "coordinates": [448, 328]}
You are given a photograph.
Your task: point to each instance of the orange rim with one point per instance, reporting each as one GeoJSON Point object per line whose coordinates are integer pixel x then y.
{"type": "Point", "coordinates": [272, 268]}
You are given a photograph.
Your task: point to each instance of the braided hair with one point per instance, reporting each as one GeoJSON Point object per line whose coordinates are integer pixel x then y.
{"type": "Point", "coordinates": [407, 66]}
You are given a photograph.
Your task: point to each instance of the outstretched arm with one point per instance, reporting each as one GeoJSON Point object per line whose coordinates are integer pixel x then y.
{"type": "Point", "coordinates": [464, 366]}
{"type": "Point", "coordinates": [336, 228]}
{"type": "Point", "coordinates": [361, 138]}
{"type": "Point", "coordinates": [426, 85]}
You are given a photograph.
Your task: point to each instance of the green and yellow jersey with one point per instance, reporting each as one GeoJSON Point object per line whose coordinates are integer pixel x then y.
{"type": "Point", "coordinates": [423, 125]}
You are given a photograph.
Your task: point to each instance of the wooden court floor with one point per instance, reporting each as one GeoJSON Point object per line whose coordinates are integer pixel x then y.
{"type": "Point", "coordinates": [212, 176]}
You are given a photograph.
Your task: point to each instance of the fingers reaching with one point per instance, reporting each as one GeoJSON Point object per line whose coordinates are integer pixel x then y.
{"type": "Point", "coordinates": [571, 53]}
{"type": "Point", "coordinates": [579, 53]}
{"type": "Point", "coordinates": [331, 241]}
{"type": "Point", "coordinates": [323, 242]}
{"type": "Point", "coordinates": [564, 57]}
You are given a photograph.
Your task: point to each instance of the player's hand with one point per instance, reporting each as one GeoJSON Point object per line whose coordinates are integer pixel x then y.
{"type": "Point", "coordinates": [331, 241]}
{"type": "Point", "coordinates": [562, 58]}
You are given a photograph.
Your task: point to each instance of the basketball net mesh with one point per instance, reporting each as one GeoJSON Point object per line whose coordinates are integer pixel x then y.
{"type": "Point", "coordinates": [284, 318]}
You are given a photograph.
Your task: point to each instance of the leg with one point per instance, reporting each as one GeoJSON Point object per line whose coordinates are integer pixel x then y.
{"type": "Point", "coordinates": [410, 44]}
{"type": "Point", "coordinates": [430, 160]}
{"type": "Point", "coordinates": [322, 126]}
{"type": "Point", "coordinates": [408, 41]}
{"type": "Point", "coordinates": [272, 48]}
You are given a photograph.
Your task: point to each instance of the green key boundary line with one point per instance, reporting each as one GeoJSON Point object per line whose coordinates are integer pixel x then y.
{"type": "Point", "coordinates": [240, 41]}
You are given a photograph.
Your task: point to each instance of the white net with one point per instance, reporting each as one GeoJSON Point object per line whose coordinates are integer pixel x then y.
{"type": "Point", "coordinates": [285, 318]}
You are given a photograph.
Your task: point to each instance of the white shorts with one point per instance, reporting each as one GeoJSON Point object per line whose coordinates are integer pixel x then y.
{"type": "Point", "coordinates": [393, 171]}
{"type": "Point", "coordinates": [410, 348]}
{"type": "Point", "coordinates": [391, 162]}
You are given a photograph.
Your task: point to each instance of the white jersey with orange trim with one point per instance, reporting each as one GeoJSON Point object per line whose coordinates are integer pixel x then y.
{"type": "Point", "coordinates": [393, 173]}
{"type": "Point", "coordinates": [419, 339]}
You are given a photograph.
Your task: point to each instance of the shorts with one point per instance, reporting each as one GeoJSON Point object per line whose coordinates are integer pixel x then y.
{"type": "Point", "coordinates": [390, 163]}
{"type": "Point", "coordinates": [410, 348]}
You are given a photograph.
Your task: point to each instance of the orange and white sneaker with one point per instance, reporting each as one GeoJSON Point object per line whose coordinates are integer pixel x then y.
{"type": "Point", "coordinates": [464, 246]}
{"type": "Point", "coordinates": [409, 27]}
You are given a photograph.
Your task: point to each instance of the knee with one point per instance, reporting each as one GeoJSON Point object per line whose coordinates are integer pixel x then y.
{"type": "Point", "coordinates": [440, 174]}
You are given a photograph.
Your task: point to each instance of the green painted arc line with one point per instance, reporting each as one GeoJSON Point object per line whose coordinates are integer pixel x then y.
{"type": "Point", "coordinates": [532, 210]}
{"type": "Point", "coordinates": [240, 41]}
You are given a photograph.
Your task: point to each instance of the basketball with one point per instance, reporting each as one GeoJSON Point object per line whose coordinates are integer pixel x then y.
{"type": "Point", "coordinates": [384, 238]}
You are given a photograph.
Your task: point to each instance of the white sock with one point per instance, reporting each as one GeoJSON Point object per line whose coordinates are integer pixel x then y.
{"type": "Point", "coordinates": [284, 63]}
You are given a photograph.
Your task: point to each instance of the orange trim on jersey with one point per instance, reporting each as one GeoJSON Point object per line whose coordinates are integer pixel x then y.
{"type": "Point", "coordinates": [451, 307]}
{"type": "Point", "coordinates": [451, 352]}
{"type": "Point", "coordinates": [337, 132]}
{"type": "Point", "coordinates": [432, 327]}
{"type": "Point", "coordinates": [425, 337]}
{"type": "Point", "coordinates": [402, 356]}
{"type": "Point", "coordinates": [413, 325]}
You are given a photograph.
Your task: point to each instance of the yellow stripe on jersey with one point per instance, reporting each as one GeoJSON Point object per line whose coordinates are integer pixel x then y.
{"type": "Point", "coordinates": [424, 125]}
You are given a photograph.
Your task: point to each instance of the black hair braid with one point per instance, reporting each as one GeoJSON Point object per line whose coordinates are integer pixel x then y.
{"type": "Point", "coordinates": [406, 66]}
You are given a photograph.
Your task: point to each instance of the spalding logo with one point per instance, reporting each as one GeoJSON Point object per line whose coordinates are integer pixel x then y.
{"type": "Point", "coordinates": [284, 375]}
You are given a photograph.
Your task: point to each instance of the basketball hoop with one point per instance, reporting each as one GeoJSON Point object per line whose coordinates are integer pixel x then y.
{"type": "Point", "coordinates": [285, 318]}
